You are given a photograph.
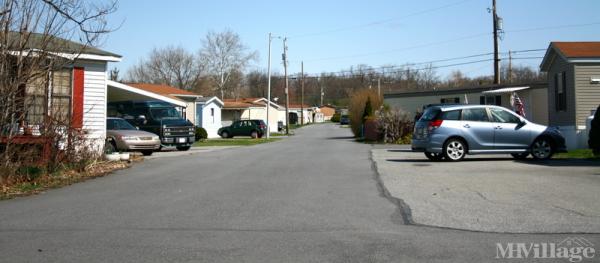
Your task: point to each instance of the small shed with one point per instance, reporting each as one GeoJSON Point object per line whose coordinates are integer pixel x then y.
{"type": "Point", "coordinates": [208, 115]}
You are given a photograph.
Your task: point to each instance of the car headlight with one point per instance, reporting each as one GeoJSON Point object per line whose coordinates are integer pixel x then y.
{"type": "Point", "coordinates": [167, 130]}
{"type": "Point", "coordinates": [129, 138]}
{"type": "Point", "coordinates": [155, 138]}
{"type": "Point", "coordinates": [167, 134]}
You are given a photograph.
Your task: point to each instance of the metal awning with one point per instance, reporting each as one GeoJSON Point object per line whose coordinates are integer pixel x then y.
{"type": "Point", "coordinates": [504, 90]}
{"type": "Point", "coordinates": [119, 91]}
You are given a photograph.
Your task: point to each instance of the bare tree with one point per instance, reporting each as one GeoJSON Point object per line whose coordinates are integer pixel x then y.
{"type": "Point", "coordinates": [171, 65]}
{"type": "Point", "coordinates": [224, 55]}
{"type": "Point", "coordinates": [37, 48]}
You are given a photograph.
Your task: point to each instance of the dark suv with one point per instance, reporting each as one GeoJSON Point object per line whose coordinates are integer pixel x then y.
{"type": "Point", "coordinates": [252, 128]}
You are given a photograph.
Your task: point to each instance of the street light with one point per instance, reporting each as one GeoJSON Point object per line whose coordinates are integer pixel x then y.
{"type": "Point", "coordinates": [269, 86]}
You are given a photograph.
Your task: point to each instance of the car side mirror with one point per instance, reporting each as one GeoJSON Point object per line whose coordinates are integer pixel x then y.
{"type": "Point", "coordinates": [522, 122]}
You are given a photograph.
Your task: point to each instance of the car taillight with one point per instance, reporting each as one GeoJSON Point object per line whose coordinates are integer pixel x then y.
{"type": "Point", "coordinates": [434, 124]}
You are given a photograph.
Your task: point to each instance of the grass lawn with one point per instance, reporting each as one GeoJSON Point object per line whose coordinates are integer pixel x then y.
{"type": "Point", "coordinates": [577, 154]}
{"type": "Point", "coordinates": [233, 142]}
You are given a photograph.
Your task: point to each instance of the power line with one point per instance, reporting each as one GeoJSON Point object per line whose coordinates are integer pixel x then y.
{"type": "Point", "coordinates": [432, 61]}
{"type": "Point", "coordinates": [423, 68]}
{"type": "Point", "coordinates": [378, 22]}
{"type": "Point", "coordinates": [551, 27]}
{"type": "Point", "coordinates": [403, 49]}
{"type": "Point", "coordinates": [454, 40]}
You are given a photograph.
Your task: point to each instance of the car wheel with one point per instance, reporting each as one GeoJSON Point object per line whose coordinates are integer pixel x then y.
{"type": "Point", "coordinates": [224, 135]}
{"type": "Point", "coordinates": [183, 148]}
{"type": "Point", "coordinates": [542, 149]}
{"type": "Point", "coordinates": [520, 156]}
{"type": "Point", "coordinates": [147, 152]}
{"type": "Point", "coordinates": [254, 134]}
{"type": "Point", "coordinates": [434, 156]}
{"type": "Point", "coordinates": [454, 150]}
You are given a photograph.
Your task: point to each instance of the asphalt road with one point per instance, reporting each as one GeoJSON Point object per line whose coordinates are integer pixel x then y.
{"type": "Point", "coordinates": [495, 192]}
{"type": "Point", "coordinates": [313, 197]}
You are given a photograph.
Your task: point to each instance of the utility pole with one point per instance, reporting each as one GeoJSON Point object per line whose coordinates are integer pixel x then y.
{"type": "Point", "coordinates": [379, 86]}
{"type": "Point", "coordinates": [322, 94]}
{"type": "Point", "coordinates": [509, 66]}
{"type": "Point", "coordinates": [287, 94]}
{"type": "Point", "coordinates": [496, 58]}
{"type": "Point", "coordinates": [302, 93]}
{"type": "Point", "coordinates": [269, 88]}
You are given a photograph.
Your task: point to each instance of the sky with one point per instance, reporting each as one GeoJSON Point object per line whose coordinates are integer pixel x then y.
{"type": "Point", "coordinates": [330, 36]}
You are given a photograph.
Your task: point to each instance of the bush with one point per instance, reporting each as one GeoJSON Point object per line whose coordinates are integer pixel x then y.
{"type": "Point", "coordinates": [363, 104]}
{"type": "Point", "coordinates": [395, 126]}
{"type": "Point", "coordinates": [335, 117]}
{"type": "Point", "coordinates": [594, 136]}
{"type": "Point", "coordinates": [201, 134]}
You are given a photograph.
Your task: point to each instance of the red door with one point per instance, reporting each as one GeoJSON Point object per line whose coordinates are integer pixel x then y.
{"type": "Point", "coordinates": [77, 116]}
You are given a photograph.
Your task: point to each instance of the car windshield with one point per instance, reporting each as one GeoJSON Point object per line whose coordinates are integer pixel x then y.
{"type": "Point", "coordinates": [118, 124]}
{"type": "Point", "coordinates": [165, 113]}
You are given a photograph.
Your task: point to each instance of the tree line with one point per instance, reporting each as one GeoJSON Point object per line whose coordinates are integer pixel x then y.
{"type": "Point", "coordinates": [219, 68]}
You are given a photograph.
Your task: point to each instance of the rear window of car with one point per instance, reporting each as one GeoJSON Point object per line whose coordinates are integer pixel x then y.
{"type": "Point", "coordinates": [430, 114]}
{"type": "Point", "coordinates": [453, 115]}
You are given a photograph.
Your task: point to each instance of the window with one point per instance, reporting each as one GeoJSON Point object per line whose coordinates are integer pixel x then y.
{"type": "Point", "coordinates": [453, 115]}
{"type": "Point", "coordinates": [430, 114]}
{"type": "Point", "coordinates": [503, 116]}
{"type": "Point", "coordinates": [60, 108]}
{"type": "Point", "coordinates": [477, 114]}
{"type": "Point", "coordinates": [491, 100]}
{"type": "Point", "coordinates": [450, 100]}
{"type": "Point", "coordinates": [560, 94]}
{"type": "Point", "coordinates": [35, 100]}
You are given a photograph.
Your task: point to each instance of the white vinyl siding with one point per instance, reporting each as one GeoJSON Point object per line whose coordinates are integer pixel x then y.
{"type": "Point", "coordinates": [94, 100]}
{"type": "Point", "coordinates": [587, 94]}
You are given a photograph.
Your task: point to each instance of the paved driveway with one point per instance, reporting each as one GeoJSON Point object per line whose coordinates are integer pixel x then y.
{"type": "Point", "coordinates": [495, 193]}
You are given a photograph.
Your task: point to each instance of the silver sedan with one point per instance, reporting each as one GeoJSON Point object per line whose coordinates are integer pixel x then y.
{"type": "Point", "coordinates": [122, 136]}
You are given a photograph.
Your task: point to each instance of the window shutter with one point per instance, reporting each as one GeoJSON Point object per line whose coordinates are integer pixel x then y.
{"type": "Point", "coordinates": [482, 100]}
{"type": "Point", "coordinates": [556, 100]}
{"type": "Point", "coordinates": [443, 101]}
{"type": "Point", "coordinates": [77, 116]}
{"type": "Point", "coordinates": [564, 92]}
{"type": "Point", "coordinates": [456, 100]}
{"type": "Point", "coordinates": [499, 100]}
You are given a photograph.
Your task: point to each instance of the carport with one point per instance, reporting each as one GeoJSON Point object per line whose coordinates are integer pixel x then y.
{"type": "Point", "coordinates": [122, 92]}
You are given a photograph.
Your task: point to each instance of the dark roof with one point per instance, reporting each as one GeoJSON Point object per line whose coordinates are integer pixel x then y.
{"type": "Point", "coordinates": [55, 44]}
{"type": "Point", "coordinates": [455, 90]}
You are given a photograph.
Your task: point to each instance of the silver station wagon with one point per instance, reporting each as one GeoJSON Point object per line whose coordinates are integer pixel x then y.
{"type": "Point", "coordinates": [452, 131]}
